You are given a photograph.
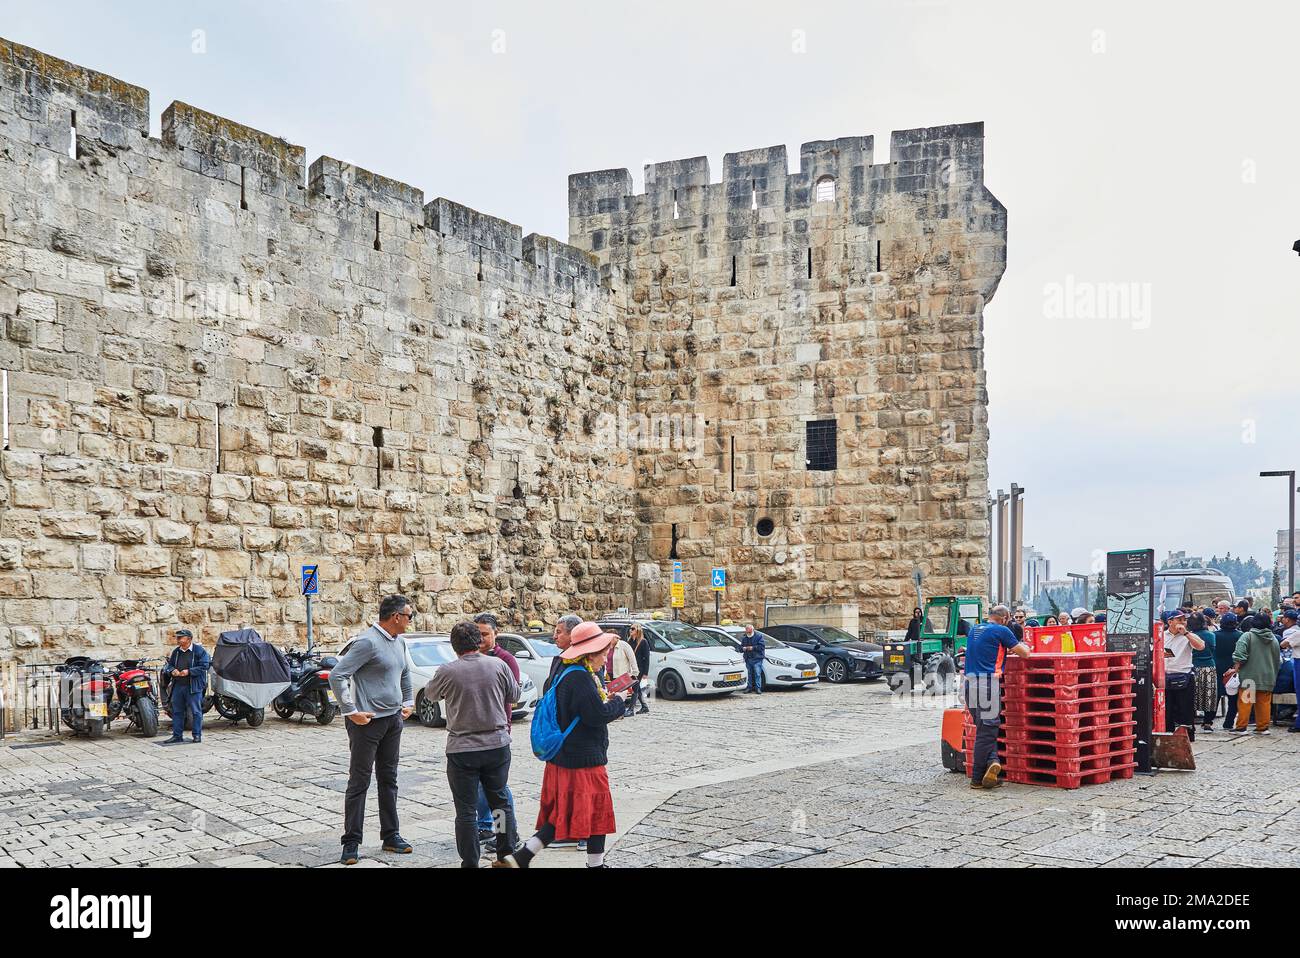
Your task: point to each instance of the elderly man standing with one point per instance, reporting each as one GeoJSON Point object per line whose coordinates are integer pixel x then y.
{"type": "Point", "coordinates": [754, 650]}
{"type": "Point", "coordinates": [563, 629]}
{"type": "Point", "coordinates": [372, 681]}
{"type": "Point", "coordinates": [187, 666]}
{"type": "Point", "coordinates": [986, 649]}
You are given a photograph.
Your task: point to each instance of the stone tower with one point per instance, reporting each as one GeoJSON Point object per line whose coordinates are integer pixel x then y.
{"type": "Point", "coordinates": [811, 344]}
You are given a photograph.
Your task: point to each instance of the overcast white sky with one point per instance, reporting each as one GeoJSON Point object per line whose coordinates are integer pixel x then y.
{"type": "Point", "coordinates": [1150, 144]}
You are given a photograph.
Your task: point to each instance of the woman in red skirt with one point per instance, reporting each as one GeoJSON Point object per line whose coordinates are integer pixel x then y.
{"type": "Point", "coordinates": [576, 802]}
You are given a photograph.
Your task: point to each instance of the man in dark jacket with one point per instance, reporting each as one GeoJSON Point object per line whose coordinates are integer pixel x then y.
{"type": "Point", "coordinates": [187, 667]}
{"type": "Point", "coordinates": [641, 649]}
{"type": "Point", "coordinates": [1225, 640]}
{"type": "Point", "coordinates": [754, 649]}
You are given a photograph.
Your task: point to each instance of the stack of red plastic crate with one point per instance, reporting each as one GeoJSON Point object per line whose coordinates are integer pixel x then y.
{"type": "Point", "coordinates": [1069, 718]}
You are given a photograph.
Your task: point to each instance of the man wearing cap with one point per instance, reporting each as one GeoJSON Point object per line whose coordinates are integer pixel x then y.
{"type": "Point", "coordinates": [1080, 616]}
{"type": "Point", "coordinates": [1180, 685]}
{"type": "Point", "coordinates": [1291, 640]}
{"type": "Point", "coordinates": [986, 649]}
{"type": "Point", "coordinates": [187, 667]}
{"type": "Point", "coordinates": [1225, 641]}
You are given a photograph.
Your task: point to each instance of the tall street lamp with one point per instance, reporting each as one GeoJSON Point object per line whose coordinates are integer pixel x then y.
{"type": "Point", "coordinates": [1290, 526]}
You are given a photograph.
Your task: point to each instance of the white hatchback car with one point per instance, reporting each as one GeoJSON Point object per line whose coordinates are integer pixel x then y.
{"type": "Point", "coordinates": [784, 666]}
{"type": "Point", "coordinates": [534, 651]}
{"type": "Point", "coordinates": [685, 660]}
{"type": "Point", "coordinates": [427, 651]}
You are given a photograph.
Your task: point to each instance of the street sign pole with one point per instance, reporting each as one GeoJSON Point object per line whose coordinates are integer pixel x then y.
{"type": "Point", "coordinates": [310, 586]}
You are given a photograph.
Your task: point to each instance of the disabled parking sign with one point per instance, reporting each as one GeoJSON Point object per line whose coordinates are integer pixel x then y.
{"type": "Point", "coordinates": [310, 581]}
{"type": "Point", "coordinates": [719, 580]}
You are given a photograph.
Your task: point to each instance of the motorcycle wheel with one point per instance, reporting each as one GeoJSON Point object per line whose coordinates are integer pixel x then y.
{"type": "Point", "coordinates": [327, 711]}
{"type": "Point", "coordinates": [284, 711]}
{"type": "Point", "coordinates": [225, 708]}
{"type": "Point", "coordinates": [256, 717]}
{"type": "Point", "coordinates": [95, 728]}
{"type": "Point", "coordinates": [207, 703]}
{"type": "Point", "coordinates": [147, 711]}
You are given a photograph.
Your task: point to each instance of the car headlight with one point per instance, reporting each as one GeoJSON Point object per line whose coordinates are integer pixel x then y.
{"type": "Point", "coordinates": [527, 686]}
{"type": "Point", "coordinates": [781, 663]}
{"type": "Point", "coordinates": [858, 655]}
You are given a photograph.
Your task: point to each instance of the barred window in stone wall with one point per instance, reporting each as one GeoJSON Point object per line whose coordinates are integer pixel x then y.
{"type": "Point", "coordinates": [826, 190]}
{"type": "Point", "coordinates": [820, 438]}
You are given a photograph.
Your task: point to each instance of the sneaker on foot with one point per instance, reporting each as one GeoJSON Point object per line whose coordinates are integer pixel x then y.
{"type": "Point", "coordinates": [350, 855]}
{"type": "Point", "coordinates": [397, 844]}
{"type": "Point", "coordinates": [1263, 731]}
{"type": "Point", "coordinates": [1238, 731]}
{"type": "Point", "coordinates": [991, 779]}
{"type": "Point", "coordinates": [643, 710]}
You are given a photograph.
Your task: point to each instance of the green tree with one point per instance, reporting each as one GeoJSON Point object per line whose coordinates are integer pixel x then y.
{"type": "Point", "coordinates": [1277, 590]}
{"type": "Point", "coordinates": [1099, 599]}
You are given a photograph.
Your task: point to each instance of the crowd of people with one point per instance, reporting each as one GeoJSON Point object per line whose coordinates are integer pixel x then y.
{"type": "Point", "coordinates": [583, 694]}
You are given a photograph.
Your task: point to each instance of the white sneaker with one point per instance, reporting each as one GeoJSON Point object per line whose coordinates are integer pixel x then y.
{"type": "Point", "coordinates": [1238, 731]}
{"type": "Point", "coordinates": [1264, 731]}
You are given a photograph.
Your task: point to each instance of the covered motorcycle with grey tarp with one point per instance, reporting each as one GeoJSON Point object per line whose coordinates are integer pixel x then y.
{"type": "Point", "coordinates": [247, 674]}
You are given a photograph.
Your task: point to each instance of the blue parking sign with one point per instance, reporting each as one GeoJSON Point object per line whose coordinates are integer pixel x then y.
{"type": "Point", "coordinates": [719, 580]}
{"type": "Point", "coordinates": [310, 582]}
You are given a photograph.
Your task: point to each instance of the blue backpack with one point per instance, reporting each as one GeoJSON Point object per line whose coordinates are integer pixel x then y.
{"type": "Point", "coordinates": [544, 732]}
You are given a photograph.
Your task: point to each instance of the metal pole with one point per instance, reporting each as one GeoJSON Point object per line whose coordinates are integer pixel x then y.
{"type": "Point", "coordinates": [717, 608]}
{"type": "Point", "coordinates": [1290, 525]}
{"type": "Point", "coordinates": [309, 632]}
{"type": "Point", "coordinates": [990, 592]}
{"type": "Point", "coordinates": [1017, 534]}
{"type": "Point", "coordinates": [1002, 545]}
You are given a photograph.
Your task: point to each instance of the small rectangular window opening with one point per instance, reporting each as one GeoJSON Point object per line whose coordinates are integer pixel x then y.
{"type": "Point", "coordinates": [877, 256]}
{"type": "Point", "coordinates": [672, 552]}
{"type": "Point", "coordinates": [733, 463]}
{"type": "Point", "coordinates": [377, 437]}
{"type": "Point", "coordinates": [243, 178]}
{"type": "Point", "coordinates": [377, 246]}
{"type": "Point", "coordinates": [72, 142]}
{"type": "Point", "coordinates": [733, 271]}
{"type": "Point", "coordinates": [810, 262]}
{"type": "Point", "coordinates": [820, 438]}
{"type": "Point", "coordinates": [677, 213]}
{"type": "Point", "coordinates": [753, 194]}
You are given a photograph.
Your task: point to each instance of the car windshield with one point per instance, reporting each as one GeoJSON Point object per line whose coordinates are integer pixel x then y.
{"type": "Point", "coordinates": [427, 654]}
{"type": "Point", "coordinates": [682, 636]}
{"type": "Point", "coordinates": [831, 635]}
{"type": "Point", "coordinates": [547, 650]}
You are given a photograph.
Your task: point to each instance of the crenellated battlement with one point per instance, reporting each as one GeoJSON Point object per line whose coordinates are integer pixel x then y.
{"type": "Point", "coordinates": [45, 99]}
{"type": "Point", "coordinates": [946, 161]}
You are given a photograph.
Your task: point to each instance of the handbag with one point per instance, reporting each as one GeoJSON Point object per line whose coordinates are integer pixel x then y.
{"type": "Point", "coordinates": [1233, 685]}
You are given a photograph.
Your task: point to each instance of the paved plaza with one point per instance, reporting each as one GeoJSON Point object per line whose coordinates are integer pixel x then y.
{"type": "Point", "coordinates": [827, 776]}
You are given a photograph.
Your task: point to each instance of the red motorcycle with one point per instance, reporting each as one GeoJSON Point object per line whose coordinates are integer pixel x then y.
{"type": "Point", "coordinates": [135, 696]}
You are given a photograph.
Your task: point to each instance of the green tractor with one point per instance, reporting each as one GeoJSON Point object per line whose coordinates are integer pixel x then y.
{"type": "Point", "coordinates": [935, 659]}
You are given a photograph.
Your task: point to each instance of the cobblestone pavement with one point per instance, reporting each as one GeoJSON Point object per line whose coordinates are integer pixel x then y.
{"type": "Point", "coordinates": [831, 775]}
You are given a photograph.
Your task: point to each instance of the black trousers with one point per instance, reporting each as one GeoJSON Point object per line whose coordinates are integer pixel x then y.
{"type": "Point", "coordinates": [982, 696]}
{"type": "Point", "coordinates": [466, 771]}
{"type": "Point", "coordinates": [376, 747]}
{"type": "Point", "coordinates": [1180, 702]}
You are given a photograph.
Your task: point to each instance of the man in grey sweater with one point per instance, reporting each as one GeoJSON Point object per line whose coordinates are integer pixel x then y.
{"type": "Point", "coordinates": [373, 683]}
{"type": "Point", "coordinates": [477, 690]}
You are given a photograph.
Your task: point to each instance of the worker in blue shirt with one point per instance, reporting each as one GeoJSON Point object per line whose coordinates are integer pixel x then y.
{"type": "Point", "coordinates": [986, 648]}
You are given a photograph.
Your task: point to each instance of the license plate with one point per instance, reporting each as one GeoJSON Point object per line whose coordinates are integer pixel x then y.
{"type": "Point", "coordinates": [809, 673]}
{"type": "Point", "coordinates": [98, 710]}
{"type": "Point", "coordinates": [731, 677]}
{"type": "Point", "coordinates": [895, 660]}
{"type": "Point", "coordinates": [332, 699]}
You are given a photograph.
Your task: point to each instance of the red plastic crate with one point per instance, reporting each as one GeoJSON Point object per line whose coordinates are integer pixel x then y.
{"type": "Point", "coordinates": [1067, 708]}
{"type": "Point", "coordinates": [1067, 663]}
{"type": "Point", "coordinates": [1067, 780]}
{"type": "Point", "coordinates": [1019, 748]}
{"type": "Point", "coordinates": [1074, 736]}
{"type": "Point", "coordinates": [1101, 688]}
{"type": "Point", "coordinates": [1071, 764]}
{"type": "Point", "coordinates": [1066, 721]}
{"type": "Point", "coordinates": [1158, 710]}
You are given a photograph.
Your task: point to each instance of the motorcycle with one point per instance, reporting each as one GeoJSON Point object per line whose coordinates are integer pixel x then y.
{"type": "Point", "coordinates": [247, 675]}
{"type": "Point", "coordinates": [84, 694]}
{"type": "Point", "coordinates": [309, 689]}
{"type": "Point", "coordinates": [134, 696]}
